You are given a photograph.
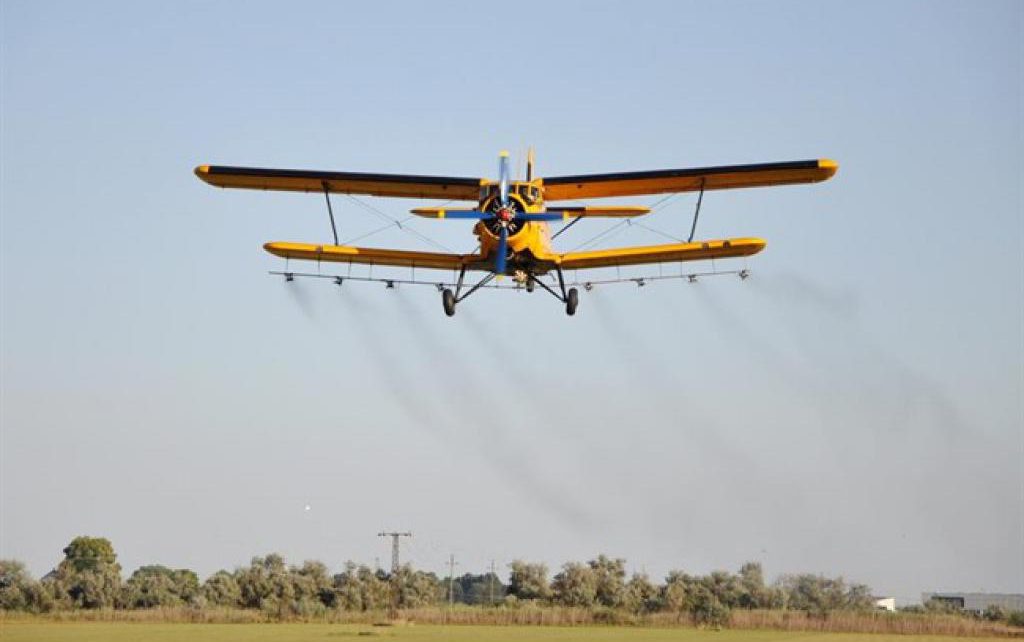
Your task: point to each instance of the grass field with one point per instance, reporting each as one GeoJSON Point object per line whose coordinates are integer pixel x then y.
{"type": "Point", "coordinates": [43, 631]}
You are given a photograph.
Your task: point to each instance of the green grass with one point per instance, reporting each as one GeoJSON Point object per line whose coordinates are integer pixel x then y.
{"type": "Point", "coordinates": [42, 631]}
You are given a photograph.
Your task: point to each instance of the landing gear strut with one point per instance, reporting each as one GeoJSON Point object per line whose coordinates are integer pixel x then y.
{"type": "Point", "coordinates": [450, 299]}
{"type": "Point", "coordinates": [570, 297]}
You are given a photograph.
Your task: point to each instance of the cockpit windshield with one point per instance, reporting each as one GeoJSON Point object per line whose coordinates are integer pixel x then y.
{"type": "Point", "coordinates": [527, 192]}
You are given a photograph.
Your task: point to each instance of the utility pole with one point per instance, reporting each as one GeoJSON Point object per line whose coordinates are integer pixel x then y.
{"type": "Point", "coordinates": [395, 566]}
{"type": "Point", "coordinates": [451, 580]}
{"type": "Point", "coordinates": [394, 548]}
{"type": "Point", "coordinates": [491, 582]}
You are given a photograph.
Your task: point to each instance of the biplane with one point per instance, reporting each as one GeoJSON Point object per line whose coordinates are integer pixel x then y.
{"type": "Point", "coordinates": [513, 217]}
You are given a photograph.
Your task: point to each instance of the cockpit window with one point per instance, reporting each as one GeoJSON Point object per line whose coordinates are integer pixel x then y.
{"type": "Point", "coordinates": [525, 191]}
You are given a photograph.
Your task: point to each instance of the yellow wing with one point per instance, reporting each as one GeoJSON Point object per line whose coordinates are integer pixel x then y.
{"type": "Point", "coordinates": [726, 248]}
{"type": "Point", "coordinates": [373, 256]}
{"type": "Point", "coordinates": [300, 180]}
{"type": "Point", "coordinates": [687, 180]}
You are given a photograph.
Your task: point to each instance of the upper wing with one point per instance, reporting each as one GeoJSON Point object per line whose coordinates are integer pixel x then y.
{"type": "Point", "coordinates": [661, 253]}
{"type": "Point", "coordinates": [687, 180]}
{"type": "Point", "coordinates": [300, 180]}
{"type": "Point", "coordinates": [372, 256]}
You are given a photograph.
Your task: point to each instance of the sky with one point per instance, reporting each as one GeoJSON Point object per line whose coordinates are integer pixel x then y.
{"type": "Point", "coordinates": [853, 408]}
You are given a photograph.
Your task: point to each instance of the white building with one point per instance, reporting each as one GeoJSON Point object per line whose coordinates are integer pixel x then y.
{"type": "Point", "coordinates": [978, 602]}
{"type": "Point", "coordinates": [885, 603]}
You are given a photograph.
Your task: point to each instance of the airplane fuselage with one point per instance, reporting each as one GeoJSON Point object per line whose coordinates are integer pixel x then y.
{"type": "Point", "coordinates": [527, 240]}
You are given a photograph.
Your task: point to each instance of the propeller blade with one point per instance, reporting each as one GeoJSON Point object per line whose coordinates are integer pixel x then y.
{"type": "Point", "coordinates": [550, 215]}
{"type": "Point", "coordinates": [503, 178]}
{"type": "Point", "coordinates": [546, 216]}
{"type": "Point", "coordinates": [470, 214]}
{"type": "Point", "coordinates": [499, 260]}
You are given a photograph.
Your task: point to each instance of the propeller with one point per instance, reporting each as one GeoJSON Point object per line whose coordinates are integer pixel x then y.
{"type": "Point", "coordinates": [504, 214]}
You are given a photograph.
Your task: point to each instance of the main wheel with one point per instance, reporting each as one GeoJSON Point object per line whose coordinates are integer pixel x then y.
{"type": "Point", "coordinates": [530, 284]}
{"type": "Point", "coordinates": [572, 299]}
{"type": "Point", "coordinates": [448, 299]}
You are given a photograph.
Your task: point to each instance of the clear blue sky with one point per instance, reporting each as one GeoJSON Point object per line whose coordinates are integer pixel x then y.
{"type": "Point", "coordinates": [854, 408]}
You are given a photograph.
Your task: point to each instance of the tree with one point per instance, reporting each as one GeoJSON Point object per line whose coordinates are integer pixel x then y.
{"type": "Point", "coordinates": [416, 588]}
{"type": "Point", "coordinates": [358, 588]}
{"type": "Point", "coordinates": [221, 589]}
{"type": "Point", "coordinates": [640, 595]}
{"type": "Point", "coordinates": [610, 576]}
{"type": "Point", "coordinates": [479, 589]}
{"type": "Point", "coordinates": [576, 585]}
{"type": "Point", "coordinates": [270, 585]}
{"type": "Point", "coordinates": [156, 585]}
{"type": "Point", "coordinates": [90, 554]}
{"type": "Point", "coordinates": [677, 593]}
{"type": "Point", "coordinates": [88, 576]}
{"type": "Point", "coordinates": [707, 608]}
{"type": "Point", "coordinates": [149, 586]}
{"type": "Point", "coordinates": [529, 581]}
{"type": "Point", "coordinates": [935, 605]}
{"type": "Point", "coordinates": [858, 598]}
{"type": "Point", "coordinates": [819, 595]}
{"type": "Point", "coordinates": [19, 591]}
{"type": "Point", "coordinates": [752, 592]}
{"type": "Point", "coordinates": [266, 585]}
{"type": "Point", "coordinates": [312, 588]}
{"type": "Point", "coordinates": [724, 586]}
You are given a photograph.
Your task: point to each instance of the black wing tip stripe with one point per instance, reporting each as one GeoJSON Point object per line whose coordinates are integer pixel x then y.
{"type": "Point", "coordinates": [682, 173]}
{"type": "Point", "coordinates": [303, 174]}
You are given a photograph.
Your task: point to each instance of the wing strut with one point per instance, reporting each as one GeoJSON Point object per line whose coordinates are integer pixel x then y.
{"type": "Point", "coordinates": [565, 227]}
{"type": "Point", "coordinates": [330, 212]}
{"type": "Point", "coordinates": [696, 212]}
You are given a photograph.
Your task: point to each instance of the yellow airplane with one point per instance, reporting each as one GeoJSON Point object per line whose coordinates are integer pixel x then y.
{"type": "Point", "coordinates": [512, 217]}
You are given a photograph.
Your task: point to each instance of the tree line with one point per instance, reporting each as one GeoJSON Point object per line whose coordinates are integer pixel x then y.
{"type": "Point", "coordinates": [89, 577]}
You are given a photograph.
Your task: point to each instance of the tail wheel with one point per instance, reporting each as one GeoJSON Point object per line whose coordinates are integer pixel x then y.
{"type": "Point", "coordinates": [448, 299]}
{"type": "Point", "coordinates": [572, 299]}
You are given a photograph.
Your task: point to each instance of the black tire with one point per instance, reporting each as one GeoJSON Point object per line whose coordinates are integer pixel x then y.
{"type": "Point", "coordinates": [448, 299]}
{"type": "Point", "coordinates": [572, 299]}
{"type": "Point", "coordinates": [530, 285]}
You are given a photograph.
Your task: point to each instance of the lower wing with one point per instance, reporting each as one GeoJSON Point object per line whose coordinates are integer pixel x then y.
{"type": "Point", "coordinates": [701, 250]}
{"type": "Point", "coordinates": [374, 256]}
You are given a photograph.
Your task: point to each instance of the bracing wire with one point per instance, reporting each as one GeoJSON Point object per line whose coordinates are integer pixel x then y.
{"type": "Point", "coordinates": [658, 206]}
{"type": "Point", "coordinates": [400, 224]}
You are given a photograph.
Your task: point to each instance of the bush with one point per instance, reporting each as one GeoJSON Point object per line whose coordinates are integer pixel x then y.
{"type": "Point", "coordinates": [707, 609]}
{"type": "Point", "coordinates": [994, 613]}
{"type": "Point", "coordinates": [19, 592]}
